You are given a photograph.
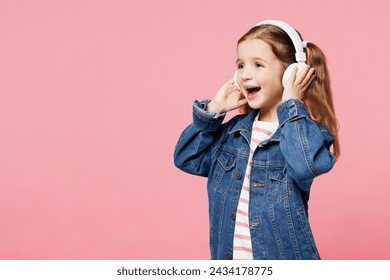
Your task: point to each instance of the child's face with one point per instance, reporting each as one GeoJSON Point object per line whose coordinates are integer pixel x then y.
{"type": "Point", "coordinates": [259, 75]}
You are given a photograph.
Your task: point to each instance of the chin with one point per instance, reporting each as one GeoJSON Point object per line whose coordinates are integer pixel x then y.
{"type": "Point", "coordinates": [254, 105]}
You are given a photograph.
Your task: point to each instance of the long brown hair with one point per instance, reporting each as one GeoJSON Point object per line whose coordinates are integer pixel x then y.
{"type": "Point", "coordinates": [318, 97]}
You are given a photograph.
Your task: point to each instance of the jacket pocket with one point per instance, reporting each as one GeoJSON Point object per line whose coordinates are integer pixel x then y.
{"type": "Point", "coordinates": [223, 173]}
{"type": "Point", "coordinates": [277, 180]}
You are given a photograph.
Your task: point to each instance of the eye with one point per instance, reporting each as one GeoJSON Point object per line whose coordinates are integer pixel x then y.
{"type": "Point", "coordinates": [240, 66]}
{"type": "Point", "coordinates": [258, 65]}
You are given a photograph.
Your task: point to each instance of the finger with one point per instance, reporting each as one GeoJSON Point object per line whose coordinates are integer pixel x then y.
{"type": "Point", "coordinates": [235, 88]}
{"type": "Point", "coordinates": [242, 102]}
{"type": "Point", "coordinates": [229, 83]}
{"type": "Point", "coordinates": [306, 86]}
{"type": "Point", "coordinates": [231, 86]}
{"type": "Point", "coordinates": [302, 74]}
{"type": "Point", "coordinates": [241, 96]}
{"type": "Point", "coordinates": [235, 91]}
{"type": "Point", "coordinates": [309, 75]}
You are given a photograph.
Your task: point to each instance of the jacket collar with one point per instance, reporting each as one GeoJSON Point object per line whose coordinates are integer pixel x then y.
{"type": "Point", "coordinates": [246, 123]}
{"type": "Point", "coordinates": [244, 126]}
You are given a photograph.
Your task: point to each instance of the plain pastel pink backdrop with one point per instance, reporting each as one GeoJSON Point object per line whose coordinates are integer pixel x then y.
{"type": "Point", "coordinates": [95, 93]}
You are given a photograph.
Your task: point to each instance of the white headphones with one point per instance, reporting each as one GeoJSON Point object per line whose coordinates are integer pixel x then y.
{"type": "Point", "coordinates": [299, 45]}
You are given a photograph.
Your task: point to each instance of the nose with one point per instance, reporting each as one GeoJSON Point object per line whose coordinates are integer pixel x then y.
{"type": "Point", "coordinates": [246, 73]}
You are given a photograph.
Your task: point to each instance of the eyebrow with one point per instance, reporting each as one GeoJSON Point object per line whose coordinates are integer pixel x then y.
{"type": "Point", "coordinates": [254, 58]}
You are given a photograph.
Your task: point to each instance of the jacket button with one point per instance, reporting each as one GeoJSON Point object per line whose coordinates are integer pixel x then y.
{"type": "Point", "coordinates": [229, 256]}
{"type": "Point", "coordinates": [238, 175]}
{"type": "Point", "coordinates": [255, 223]}
{"type": "Point", "coordinates": [233, 216]}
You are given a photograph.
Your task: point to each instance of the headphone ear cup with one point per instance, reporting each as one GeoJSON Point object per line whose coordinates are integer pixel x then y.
{"type": "Point", "coordinates": [289, 69]}
{"type": "Point", "coordinates": [236, 81]}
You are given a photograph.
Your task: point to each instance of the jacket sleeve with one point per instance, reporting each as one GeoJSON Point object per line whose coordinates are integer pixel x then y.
{"type": "Point", "coordinates": [197, 143]}
{"type": "Point", "coordinates": [304, 144]}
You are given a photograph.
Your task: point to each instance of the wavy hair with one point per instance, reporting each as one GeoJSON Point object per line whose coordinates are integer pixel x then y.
{"type": "Point", "coordinates": [318, 97]}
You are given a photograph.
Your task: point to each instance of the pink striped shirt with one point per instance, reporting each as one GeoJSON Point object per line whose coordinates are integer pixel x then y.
{"type": "Point", "coordinates": [242, 244]}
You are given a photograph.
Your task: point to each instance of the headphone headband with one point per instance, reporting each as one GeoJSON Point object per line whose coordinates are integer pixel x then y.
{"type": "Point", "coordinates": [300, 55]}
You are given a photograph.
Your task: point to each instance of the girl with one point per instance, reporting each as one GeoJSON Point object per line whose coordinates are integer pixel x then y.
{"type": "Point", "coordinates": [260, 165]}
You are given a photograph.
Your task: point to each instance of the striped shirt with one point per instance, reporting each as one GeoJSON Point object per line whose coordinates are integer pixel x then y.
{"type": "Point", "coordinates": [242, 244]}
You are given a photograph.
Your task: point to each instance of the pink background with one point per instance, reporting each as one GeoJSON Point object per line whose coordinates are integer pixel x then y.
{"type": "Point", "coordinates": [94, 95]}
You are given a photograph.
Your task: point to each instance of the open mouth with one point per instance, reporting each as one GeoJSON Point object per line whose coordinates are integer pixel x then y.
{"type": "Point", "coordinates": [253, 91]}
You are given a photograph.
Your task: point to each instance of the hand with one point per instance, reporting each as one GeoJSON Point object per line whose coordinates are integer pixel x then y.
{"type": "Point", "coordinates": [297, 84]}
{"type": "Point", "coordinates": [227, 98]}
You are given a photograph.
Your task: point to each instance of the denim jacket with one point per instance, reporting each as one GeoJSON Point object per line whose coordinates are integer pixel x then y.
{"type": "Point", "coordinates": [283, 170]}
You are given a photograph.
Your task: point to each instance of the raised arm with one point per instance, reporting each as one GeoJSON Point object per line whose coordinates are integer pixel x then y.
{"type": "Point", "coordinates": [304, 144]}
{"type": "Point", "coordinates": [196, 146]}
